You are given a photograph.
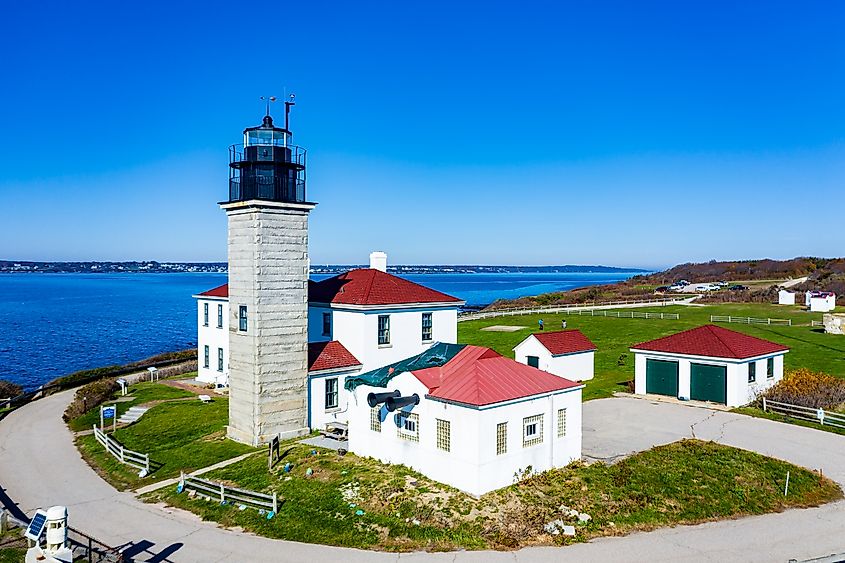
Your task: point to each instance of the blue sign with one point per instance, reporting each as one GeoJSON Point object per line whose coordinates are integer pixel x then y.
{"type": "Point", "coordinates": [108, 412]}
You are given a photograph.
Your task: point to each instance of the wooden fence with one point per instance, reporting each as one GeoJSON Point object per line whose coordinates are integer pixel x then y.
{"type": "Point", "coordinates": [623, 314]}
{"type": "Point", "coordinates": [128, 457]}
{"type": "Point", "coordinates": [749, 320]}
{"type": "Point", "coordinates": [476, 315]}
{"type": "Point", "coordinates": [812, 324]}
{"type": "Point", "coordinates": [823, 417]}
{"type": "Point", "coordinates": [220, 491]}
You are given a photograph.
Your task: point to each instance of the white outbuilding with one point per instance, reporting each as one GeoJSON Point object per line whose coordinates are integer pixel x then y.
{"type": "Point", "coordinates": [566, 353]}
{"type": "Point", "coordinates": [213, 336]}
{"type": "Point", "coordinates": [786, 297]}
{"type": "Point", "coordinates": [820, 301]}
{"type": "Point", "coordinates": [708, 363]}
{"type": "Point", "coordinates": [465, 416]}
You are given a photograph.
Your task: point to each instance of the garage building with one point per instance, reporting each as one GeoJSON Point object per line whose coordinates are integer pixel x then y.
{"type": "Point", "coordinates": [708, 363]}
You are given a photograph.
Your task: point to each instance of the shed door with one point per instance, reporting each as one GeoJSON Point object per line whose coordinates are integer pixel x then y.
{"type": "Point", "coordinates": [661, 377]}
{"type": "Point", "coordinates": [533, 361]}
{"type": "Point", "coordinates": [708, 383]}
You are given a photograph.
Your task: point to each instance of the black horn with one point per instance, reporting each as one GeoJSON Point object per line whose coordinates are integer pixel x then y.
{"type": "Point", "coordinates": [374, 399]}
{"type": "Point", "coordinates": [394, 403]}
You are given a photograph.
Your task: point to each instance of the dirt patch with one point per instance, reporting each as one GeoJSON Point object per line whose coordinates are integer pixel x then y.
{"type": "Point", "coordinates": [504, 328]}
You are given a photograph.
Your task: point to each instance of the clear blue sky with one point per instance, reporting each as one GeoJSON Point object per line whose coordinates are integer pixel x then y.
{"type": "Point", "coordinates": [621, 133]}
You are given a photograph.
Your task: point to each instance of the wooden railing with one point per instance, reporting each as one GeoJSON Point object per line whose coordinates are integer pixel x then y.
{"type": "Point", "coordinates": [125, 456]}
{"type": "Point", "coordinates": [475, 315]}
{"type": "Point", "coordinates": [749, 320]}
{"type": "Point", "coordinates": [821, 416]}
{"type": "Point", "coordinates": [221, 492]}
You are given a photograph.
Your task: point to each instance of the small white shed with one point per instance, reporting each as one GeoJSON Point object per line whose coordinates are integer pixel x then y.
{"type": "Point", "coordinates": [786, 297]}
{"type": "Point", "coordinates": [820, 301]}
{"type": "Point", "coordinates": [708, 363]}
{"type": "Point", "coordinates": [565, 353]}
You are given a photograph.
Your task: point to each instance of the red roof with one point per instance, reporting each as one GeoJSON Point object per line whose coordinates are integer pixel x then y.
{"type": "Point", "coordinates": [479, 376]}
{"type": "Point", "coordinates": [713, 341]}
{"type": "Point", "coordinates": [219, 291]}
{"type": "Point", "coordinates": [565, 341]}
{"type": "Point", "coordinates": [367, 286]}
{"type": "Point", "coordinates": [329, 355]}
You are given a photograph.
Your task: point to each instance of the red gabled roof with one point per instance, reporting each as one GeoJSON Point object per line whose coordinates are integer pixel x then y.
{"type": "Point", "coordinates": [565, 341]}
{"type": "Point", "coordinates": [479, 376]}
{"type": "Point", "coordinates": [367, 286]}
{"type": "Point", "coordinates": [713, 341]}
{"type": "Point", "coordinates": [219, 291]}
{"type": "Point", "coordinates": [330, 355]}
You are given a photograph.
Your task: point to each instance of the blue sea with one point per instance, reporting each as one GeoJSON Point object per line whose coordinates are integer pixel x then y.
{"type": "Point", "coordinates": [55, 324]}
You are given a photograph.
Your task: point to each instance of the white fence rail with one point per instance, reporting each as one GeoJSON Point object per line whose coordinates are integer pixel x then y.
{"type": "Point", "coordinates": [5, 402]}
{"type": "Point", "coordinates": [812, 324]}
{"type": "Point", "coordinates": [476, 315]}
{"type": "Point", "coordinates": [220, 491]}
{"type": "Point", "coordinates": [823, 417]}
{"type": "Point", "coordinates": [749, 320]}
{"type": "Point", "coordinates": [622, 314]}
{"type": "Point", "coordinates": [128, 457]}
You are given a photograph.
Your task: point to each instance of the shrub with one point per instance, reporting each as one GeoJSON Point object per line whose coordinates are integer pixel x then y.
{"type": "Point", "coordinates": [9, 389]}
{"type": "Point", "coordinates": [89, 396]}
{"type": "Point", "coordinates": [808, 388]}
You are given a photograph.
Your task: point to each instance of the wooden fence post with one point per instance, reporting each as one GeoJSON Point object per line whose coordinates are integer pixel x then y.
{"type": "Point", "coordinates": [275, 503]}
{"type": "Point", "coordinates": [764, 404]}
{"type": "Point", "coordinates": [222, 493]}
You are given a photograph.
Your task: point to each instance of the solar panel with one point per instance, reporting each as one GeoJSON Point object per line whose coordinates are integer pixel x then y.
{"type": "Point", "coordinates": [36, 526]}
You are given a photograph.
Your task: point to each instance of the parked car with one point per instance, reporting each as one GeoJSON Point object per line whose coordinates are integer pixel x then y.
{"type": "Point", "coordinates": [738, 287]}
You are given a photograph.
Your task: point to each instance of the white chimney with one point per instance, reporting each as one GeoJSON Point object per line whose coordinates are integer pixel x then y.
{"type": "Point", "coordinates": [378, 261]}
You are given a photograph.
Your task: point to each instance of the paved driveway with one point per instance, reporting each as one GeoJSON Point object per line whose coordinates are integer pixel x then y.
{"type": "Point", "coordinates": [39, 466]}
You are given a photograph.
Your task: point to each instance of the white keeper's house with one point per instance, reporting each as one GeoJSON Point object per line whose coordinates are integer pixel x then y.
{"type": "Point", "coordinates": [567, 353]}
{"type": "Point", "coordinates": [708, 363]}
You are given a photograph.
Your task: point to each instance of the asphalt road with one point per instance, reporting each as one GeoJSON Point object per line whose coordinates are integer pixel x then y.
{"type": "Point", "coordinates": [40, 467]}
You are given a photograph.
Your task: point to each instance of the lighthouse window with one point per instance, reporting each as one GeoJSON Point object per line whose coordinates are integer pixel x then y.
{"type": "Point", "coordinates": [426, 327]}
{"type": "Point", "coordinates": [242, 324]}
{"type": "Point", "coordinates": [383, 330]}
{"type": "Point", "coordinates": [327, 324]}
{"type": "Point", "coordinates": [219, 316]}
{"type": "Point", "coordinates": [205, 314]}
{"type": "Point", "coordinates": [331, 393]}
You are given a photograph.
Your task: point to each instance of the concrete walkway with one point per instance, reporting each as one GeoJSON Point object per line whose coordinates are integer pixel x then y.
{"type": "Point", "coordinates": [39, 467]}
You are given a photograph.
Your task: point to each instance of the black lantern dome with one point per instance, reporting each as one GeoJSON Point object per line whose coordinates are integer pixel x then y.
{"type": "Point", "coordinates": [267, 166]}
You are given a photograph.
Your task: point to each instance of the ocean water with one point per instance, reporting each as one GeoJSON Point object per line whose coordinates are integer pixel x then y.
{"type": "Point", "coordinates": [55, 324]}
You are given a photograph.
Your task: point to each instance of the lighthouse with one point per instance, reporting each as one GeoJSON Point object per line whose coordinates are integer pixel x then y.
{"type": "Point", "coordinates": [268, 284]}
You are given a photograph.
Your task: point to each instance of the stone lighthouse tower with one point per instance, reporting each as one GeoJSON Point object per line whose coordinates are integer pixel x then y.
{"type": "Point", "coordinates": [268, 284]}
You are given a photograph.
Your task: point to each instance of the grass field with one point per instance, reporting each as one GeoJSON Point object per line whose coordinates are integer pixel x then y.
{"type": "Point", "coordinates": [141, 393]}
{"type": "Point", "coordinates": [681, 483]}
{"type": "Point", "coordinates": [179, 435]}
{"type": "Point", "coordinates": [614, 365]}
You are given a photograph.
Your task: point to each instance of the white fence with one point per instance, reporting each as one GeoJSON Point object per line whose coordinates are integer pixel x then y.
{"type": "Point", "coordinates": [476, 315]}
{"type": "Point", "coordinates": [623, 314]}
{"type": "Point", "coordinates": [749, 320]}
{"type": "Point", "coordinates": [128, 457]}
{"type": "Point", "coordinates": [812, 324]}
{"type": "Point", "coordinates": [220, 491]}
{"type": "Point", "coordinates": [823, 417]}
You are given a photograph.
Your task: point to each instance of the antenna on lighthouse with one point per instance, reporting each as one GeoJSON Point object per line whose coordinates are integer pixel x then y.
{"type": "Point", "coordinates": [288, 104]}
{"type": "Point", "coordinates": [268, 99]}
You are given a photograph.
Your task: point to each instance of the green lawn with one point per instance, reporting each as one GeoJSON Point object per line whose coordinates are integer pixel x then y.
{"type": "Point", "coordinates": [141, 393]}
{"type": "Point", "coordinates": [681, 483]}
{"type": "Point", "coordinates": [614, 365]}
{"type": "Point", "coordinates": [179, 435]}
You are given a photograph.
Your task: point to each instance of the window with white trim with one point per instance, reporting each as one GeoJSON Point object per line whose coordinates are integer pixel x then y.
{"type": "Point", "coordinates": [409, 427]}
{"type": "Point", "coordinates": [383, 330]}
{"type": "Point", "coordinates": [444, 437]}
{"type": "Point", "coordinates": [770, 368]}
{"type": "Point", "coordinates": [752, 372]}
{"type": "Point", "coordinates": [375, 419]}
{"type": "Point", "coordinates": [502, 438]}
{"type": "Point", "coordinates": [205, 314]}
{"type": "Point", "coordinates": [206, 357]}
{"type": "Point", "coordinates": [220, 359]}
{"type": "Point", "coordinates": [561, 423]}
{"type": "Point", "coordinates": [219, 315]}
{"type": "Point", "coordinates": [327, 324]}
{"type": "Point", "coordinates": [426, 327]}
{"type": "Point", "coordinates": [331, 393]}
{"type": "Point", "coordinates": [532, 430]}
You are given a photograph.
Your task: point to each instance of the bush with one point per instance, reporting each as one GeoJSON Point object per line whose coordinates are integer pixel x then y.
{"type": "Point", "coordinates": [9, 389]}
{"type": "Point", "coordinates": [90, 396]}
{"type": "Point", "coordinates": [807, 388]}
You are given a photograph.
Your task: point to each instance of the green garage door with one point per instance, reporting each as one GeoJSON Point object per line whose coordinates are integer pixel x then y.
{"type": "Point", "coordinates": [661, 377]}
{"type": "Point", "coordinates": [708, 383]}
